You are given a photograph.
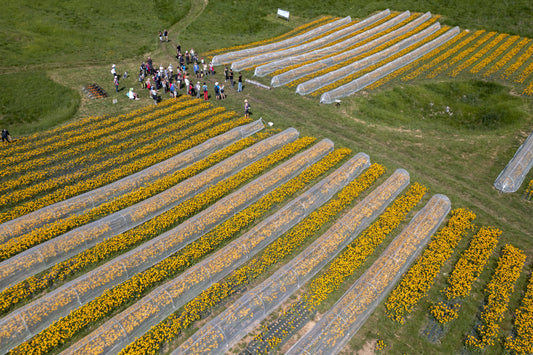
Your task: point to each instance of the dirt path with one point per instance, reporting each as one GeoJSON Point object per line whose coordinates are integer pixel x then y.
{"type": "Point", "coordinates": [197, 7]}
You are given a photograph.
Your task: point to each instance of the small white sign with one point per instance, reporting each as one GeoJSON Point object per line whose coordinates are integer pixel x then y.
{"type": "Point", "coordinates": [284, 14]}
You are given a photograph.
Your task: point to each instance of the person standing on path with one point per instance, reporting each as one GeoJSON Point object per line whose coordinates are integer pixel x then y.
{"type": "Point", "coordinates": [206, 94]}
{"type": "Point", "coordinates": [198, 89]}
{"type": "Point", "coordinates": [217, 91]}
{"type": "Point", "coordinates": [153, 94]}
{"type": "Point", "coordinates": [239, 87]}
{"type": "Point", "coordinates": [246, 109]}
{"type": "Point", "coordinates": [6, 137]}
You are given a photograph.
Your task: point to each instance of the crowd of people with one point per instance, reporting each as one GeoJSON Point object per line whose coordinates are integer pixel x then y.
{"type": "Point", "coordinates": [159, 80]}
{"type": "Point", "coordinates": [169, 80]}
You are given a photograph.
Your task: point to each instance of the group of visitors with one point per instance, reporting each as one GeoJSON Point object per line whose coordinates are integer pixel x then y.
{"type": "Point", "coordinates": [163, 36]}
{"type": "Point", "coordinates": [169, 79]}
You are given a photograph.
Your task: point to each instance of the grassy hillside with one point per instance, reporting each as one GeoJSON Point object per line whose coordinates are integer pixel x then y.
{"type": "Point", "coordinates": [51, 48]}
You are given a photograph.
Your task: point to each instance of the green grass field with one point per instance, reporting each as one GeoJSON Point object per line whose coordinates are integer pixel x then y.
{"type": "Point", "coordinates": [50, 49]}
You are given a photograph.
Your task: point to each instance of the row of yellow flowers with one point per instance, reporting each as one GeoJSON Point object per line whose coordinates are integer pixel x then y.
{"type": "Point", "coordinates": [361, 248]}
{"type": "Point", "coordinates": [528, 90]}
{"type": "Point", "coordinates": [377, 23]}
{"type": "Point", "coordinates": [99, 308]}
{"type": "Point", "coordinates": [343, 266]}
{"type": "Point", "coordinates": [497, 293]}
{"type": "Point", "coordinates": [75, 128]}
{"type": "Point", "coordinates": [366, 54]}
{"type": "Point", "coordinates": [506, 58]}
{"type": "Point", "coordinates": [389, 59]}
{"type": "Point", "coordinates": [476, 56]}
{"type": "Point", "coordinates": [444, 312]}
{"type": "Point", "coordinates": [165, 331]}
{"type": "Point", "coordinates": [36, 236]}
{"type": "Point", "coordinates": [495, 54]}
{"type": "Point", "coordinates": [47, 154]}
{"type": "Point", "coordinates": [33, 286]}
{"type": "Point", "coordinates": [462, 39]}
{"type": "Point", "coordinates": [525, 73]}
{"type": "Point", "coordinates": [162, 149]}
{"type": "Point", "coordinates": [465, 272]}
{"type": "Point", "coordinates": [295, 31]}
{"type": "Point", "coordinates": [518, 62]}
{"type": "Point", "coordinates": [155, 129]}
{"type": "Point", "coordinates": [83, 152]}
{"type": "Point", "coordinates": [187, 283]}
{"type": "Point", "coordinates": [472, 262]}
{"type": "Point", "coordinates": [417, 281]}
{"type": "Point", "coordinates": [327, 33]}
{"type": "Point", "coordinates": [416, 64]}
{"type": "Point", "coordinates": [521, 342]}
{"type": "Point", "coordinates": [463, 53]}
{"type": "Point", "coordinates": [529, 189]}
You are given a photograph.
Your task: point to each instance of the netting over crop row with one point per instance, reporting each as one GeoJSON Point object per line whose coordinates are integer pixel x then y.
{"type": "Point", "coordinates": [331, 77]}
{"type": "Point", "coordinates": [236, 55]}
{"type": "Point", "coordinates": [222, 332]}
{"type": "Point", "coordinates": [83, 202]}
{"type": "Point", "coordinates": [73, 242]}
{"type": "Point", "coordinates": [259, 59]}
{"type": "Point", "coordinates": [272, 66]}
{"type": "Point", "coordinates": [367, 79]}
{"type": "Point", "coordinates": [327, 54]}
{"type": "Point", "coordinates": [297, 73]}
{"type": "Point", "coordinates": [160, 303]}
{"type": "Point", "coordinates": [343, 320]}
{"type": "Point", "coordinates": [510, 179]}
{"type": "Point", "coordinates": [32, 318]}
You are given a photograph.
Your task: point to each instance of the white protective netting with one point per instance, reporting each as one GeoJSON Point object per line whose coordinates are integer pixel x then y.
{"type": "Point", "coordinates": [331, 50]}
{"type": "Point", "coordinates": [336, 75]}
{"type": "Point", "coordinates": [289, 42]}
{"type": "Point", "coordinates": [221, 333]}
{"type": "Point", "coordinates": [37, 315]}
{"type": "Point", "coordinates": [259, 59]}
{"type": "Point", "coordinates": [510, 179]}
{"type": "Point", "coordinates": [82, 203]}
{"type": "Point", "coordinates": [297, 73]}
{"type": "Point", "coordinates": [55, 250]}
{"type": "Point", "coordinates": [367, 79]}
{"type": "Point", "coordinates": [124, 328]}
{"type": "Point", "coordinates": [343, 320]}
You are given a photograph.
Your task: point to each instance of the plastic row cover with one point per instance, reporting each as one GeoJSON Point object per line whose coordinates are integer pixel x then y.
{"type": "Point", "coordinates": [329, 61]}
{"type": "Point", "coordinates": [343, 320]}
{"type": "Point", "coordinates": [297, 73]}
{"type": "Point", "coordinates": [81, 203]}
{"type": "Point", "coordinates": [39, 314]}
{"type": "Point", "coordinates": [160, 303]}
{"type": "Point", "coordinates": [331, 77]}
{"type": "Point", "coordinates": [221, 333]}
{"type": "Point", "coordinates": [259, 59]}
{"type": "Point", "coordinates": [510, 179]}
{"type": "Point", "coordinates": [75, 241]}
{"type": "Point", "coordinates": [327, 52]}
{"type": "Point", "coordinates": [367, 79]}
{"type": "Point", "coordinates": [306, 36]}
